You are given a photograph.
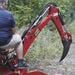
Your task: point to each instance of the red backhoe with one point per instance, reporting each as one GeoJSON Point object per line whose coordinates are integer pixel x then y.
{"type": "Point", "coordinates": [8, 63]}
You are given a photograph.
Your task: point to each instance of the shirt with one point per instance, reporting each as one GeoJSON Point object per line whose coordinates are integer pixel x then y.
{"type": "Point", "coordinates": [7, 22]}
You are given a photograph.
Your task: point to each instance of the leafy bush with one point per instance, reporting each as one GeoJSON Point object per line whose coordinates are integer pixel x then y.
{"type": "Point", "coordinates": [25, 11]}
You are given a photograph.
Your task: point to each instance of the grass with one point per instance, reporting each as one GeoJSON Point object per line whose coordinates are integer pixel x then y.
{"type": "Point", "coordinates": [47, 45]}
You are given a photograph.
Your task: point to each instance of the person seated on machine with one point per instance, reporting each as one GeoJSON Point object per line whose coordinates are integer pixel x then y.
{"type": "Point", "coordinates": [8, 37]}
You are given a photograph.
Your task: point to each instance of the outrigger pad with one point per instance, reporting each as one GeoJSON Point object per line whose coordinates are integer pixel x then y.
{"type": "Point", "coordinates": [66, 45]}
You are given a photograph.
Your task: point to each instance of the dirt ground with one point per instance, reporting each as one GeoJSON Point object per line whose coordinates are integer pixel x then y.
{"type": "Point", "coordinates": [66, 67]}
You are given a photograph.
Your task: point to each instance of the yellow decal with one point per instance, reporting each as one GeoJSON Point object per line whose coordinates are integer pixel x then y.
{"type": "Point", "coordinates": [37, 32]}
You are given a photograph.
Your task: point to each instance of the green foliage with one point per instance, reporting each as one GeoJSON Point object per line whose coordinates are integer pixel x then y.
{"type": "Point", "coordinates": [71, 28]}
{"type": "Point", "coordinates": [25, 11]}
{"type": "Point", "coordinates": [21, 12]}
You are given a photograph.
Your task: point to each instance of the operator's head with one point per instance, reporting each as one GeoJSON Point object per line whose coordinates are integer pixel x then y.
{"type": "Point", "coordinates": [3, 4]}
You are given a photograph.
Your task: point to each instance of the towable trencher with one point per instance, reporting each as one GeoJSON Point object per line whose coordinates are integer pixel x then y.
{"type": "Point", "coordinates": [8, 64]}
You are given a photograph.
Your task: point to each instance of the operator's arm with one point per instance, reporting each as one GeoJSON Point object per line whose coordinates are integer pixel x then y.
{"type": "Point", "coordinates": [13, 25]}
{"type": "Point", "coordinates": [13, 30]}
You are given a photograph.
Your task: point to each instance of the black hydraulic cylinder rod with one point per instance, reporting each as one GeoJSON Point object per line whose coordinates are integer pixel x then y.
{"type": "Point", "coordinates": [61, 18]}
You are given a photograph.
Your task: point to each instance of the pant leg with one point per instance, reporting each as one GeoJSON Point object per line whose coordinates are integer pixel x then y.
{"type": "Point", "coordinates": [15, 41]}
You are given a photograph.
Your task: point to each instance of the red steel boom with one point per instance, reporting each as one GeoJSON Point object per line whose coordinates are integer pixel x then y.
{"type": "Point", "coordinates": [54, 15]}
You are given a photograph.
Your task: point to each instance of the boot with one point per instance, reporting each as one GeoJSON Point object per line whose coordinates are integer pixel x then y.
{"type": "Point", "coordinates": [22, 64]}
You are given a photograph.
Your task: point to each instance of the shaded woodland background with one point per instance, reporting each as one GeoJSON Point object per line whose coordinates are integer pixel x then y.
{"type": "Point", "coordinates": [25, 11]}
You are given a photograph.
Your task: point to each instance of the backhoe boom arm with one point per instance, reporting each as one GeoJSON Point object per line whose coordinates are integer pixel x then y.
{"type": "Point", "coordinates": [35, 28]}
